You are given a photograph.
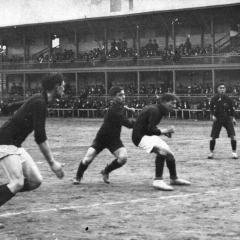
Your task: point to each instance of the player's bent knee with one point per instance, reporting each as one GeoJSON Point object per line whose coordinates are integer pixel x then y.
{"type": "Point", "coordinates": [170, 157]}
{"type": "Point", "coordinates": [36, 182]}
{"type": "Point", "coordinates": [233, 137]}
{"type": "Point", "coordinates": [122, 160]}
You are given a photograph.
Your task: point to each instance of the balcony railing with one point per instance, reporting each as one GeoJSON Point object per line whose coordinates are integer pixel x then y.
{"type": "Point", "coordinates": [226, 58]}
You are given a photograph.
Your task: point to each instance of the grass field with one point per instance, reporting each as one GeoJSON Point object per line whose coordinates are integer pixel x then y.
{"type": "Point", "coordinates": [128, 208]}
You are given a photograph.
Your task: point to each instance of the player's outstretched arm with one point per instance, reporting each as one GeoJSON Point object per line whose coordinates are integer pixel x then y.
{"type": "Point", "coordinates": [55, 166]}
{"type": "Point", "coordinates": [168, 132]}
{"type": "Point", "coordinates": [131, 109]}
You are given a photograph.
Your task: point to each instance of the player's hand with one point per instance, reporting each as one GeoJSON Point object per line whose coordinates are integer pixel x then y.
{"type": "Point", "coordinates": [234, 121]}
{"type": "Point", "coordinates": [56, 167]}
{"type": "Point", "coordinates": [169, 135]}
{"type": "Point", "coordinates": [214, 118]}
{"type": "Point", "coordinates": [171, 130]}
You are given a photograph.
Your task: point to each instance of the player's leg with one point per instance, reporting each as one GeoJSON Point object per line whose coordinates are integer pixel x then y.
{"type": "Point", "coordinates": [88, 158]}
{"type": "Point", "coordinates": [33, 177]}
{"type": "Point", "coordinates": [216, 129]}
{"type": "Point", "coordinates": [232, 135]}
{"type": "Point", "coordinates": [158, 182]}
{"type": "Point", "coordinates": [121, 159]}
{"type": "Point", "coordinates": [13, 169]}
{"type": "Point", "coordinates": [163, 149]}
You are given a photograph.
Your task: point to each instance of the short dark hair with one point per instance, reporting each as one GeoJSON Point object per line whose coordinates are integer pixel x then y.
{"type": "Point", "coordinates": [166, 97]}
{"type": "Point", "coordinates": [50, 80]}
{"type": "Point", "coordinates": [221, 82]}
{"type": "Point", "coordinates": [115, 90]}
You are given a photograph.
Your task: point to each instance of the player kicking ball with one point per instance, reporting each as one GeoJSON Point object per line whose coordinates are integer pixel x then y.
{"type": "Point", "coordinates": [108, 137]}
{"type": "Point", "coordinates": [146, 136]}
{"type": "Point", "coordinates": [21, 170]}
{"type": "Point", "coordinates": [222, 113]}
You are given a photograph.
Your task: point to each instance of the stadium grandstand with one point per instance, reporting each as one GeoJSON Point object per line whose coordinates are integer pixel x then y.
{"type": "Point", "coordinates": [147, 46]}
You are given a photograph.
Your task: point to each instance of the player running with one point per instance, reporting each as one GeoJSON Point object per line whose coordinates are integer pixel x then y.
{"type": "Point", "coordinates": [21, 170]}
{"type": "Point", "coordinates": [146, 136]}
{"type": "Point", "coordinates": [108, 137]}
{"type": "Point", "coordinates": [222, 113]}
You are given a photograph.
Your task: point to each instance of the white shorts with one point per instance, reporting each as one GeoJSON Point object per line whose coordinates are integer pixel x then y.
{"type": "Point", "coordinates": [6, 150]}
{"type": "Point", "coordinates": [149, 142]}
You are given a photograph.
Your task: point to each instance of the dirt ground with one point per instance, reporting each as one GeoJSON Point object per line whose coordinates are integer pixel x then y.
{"type": "Point", "coordinates": [129, 207]}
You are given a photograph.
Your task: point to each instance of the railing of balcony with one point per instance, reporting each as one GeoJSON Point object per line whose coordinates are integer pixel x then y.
{"type": "Point", "coordinates": [226, 58]}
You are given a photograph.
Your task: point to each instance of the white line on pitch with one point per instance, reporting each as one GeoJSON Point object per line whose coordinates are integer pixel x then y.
{"type": "Point", "coordinates": [114, 203]}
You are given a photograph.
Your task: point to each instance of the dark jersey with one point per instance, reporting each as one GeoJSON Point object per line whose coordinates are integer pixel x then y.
{"type": "Point", "coordinates": [147, 121]}
{"type": "Point", "coordinates": [31, 116]}
{"type": "Point", "coordinates": [113, 122]}
{"type": "Point", "coordinates": [221, 107]}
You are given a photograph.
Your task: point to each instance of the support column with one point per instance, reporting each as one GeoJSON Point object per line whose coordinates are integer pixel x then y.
{"type": "Point", "coordinates": [173, 35]}
{"type": "Point", "coordinates": [174, 81]}
{"type": "Point", "coordinates": [1, 87]}
{"type": "Point", "coordinates": [213, 34]}
{"type": "Point", "coordinates": [24, 86]}
{"type": "Point", "coordinates": [138, 42]}
{"type": "Point", "coordinates": [202, 37]}
{"type": "Point", "coordinates": [76, 42]}
{"type": "Point", "coordinates": [24, 47]}
{"type": "Point", "coordinates": [106, 86]}
{"type": "Point", "coordinates": [213, 80]}
{"type": "Point", "coordinates": [138, 83]}
{"type": "Point", "coordinates": [105, 40]}
{"type": "Point", "coordinates": [76, 82]}
{"type": "Point", "coordinates": [49, 44]}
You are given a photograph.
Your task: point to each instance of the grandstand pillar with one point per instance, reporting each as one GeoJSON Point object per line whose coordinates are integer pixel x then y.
{"type": "Point", "coordinates": [174, 81]}
{"type": "Point", "coordinates": [24, 86]}
{"type": "Point", "coordinates": [213, 34]}
{"type": "Point", "coordinates": [1, 87]}
{"type": "Point", "coordinates": [76, 79]}
{"type": "Point", "coordinates": [202, 37]}
{"type": "Point", "coordinates": [138, 84]}
{"type": "Point", "coordinates": [105, 40]}
{"type": "Point", "coordinates": [173, 34]}
{"type": "Point", "coordinates": [213, 80]}
{"type": "Point", "coordinates": [106, 85]}
{"type": "Point", "coordinates": [138, 42]}
{"type": "Point", "coordinates": [49, 44]}
{"type": "Point", "coordinates": [76, 42]}
{"type": "Point", "coordinates": [24, 47]}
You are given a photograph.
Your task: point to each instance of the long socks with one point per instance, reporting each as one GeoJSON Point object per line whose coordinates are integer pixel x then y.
{"type": "Point", "coordinates": [81, 169]}
{"type": "Point", "coordinates": [212, 145]}
{"type": "Point", "coordinates": [112, 166]}
{"type": "Point", "coordinates": [171, 164]}
{"type": "Point", "coordinates": [159, 166]}
{"type": "Point", "coordinates": [234, 145]}
{"type": "Point", "coordinates": [5, 194]}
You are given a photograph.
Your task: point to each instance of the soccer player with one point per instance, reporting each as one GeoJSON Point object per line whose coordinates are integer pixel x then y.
{"type": "Point", "coordinates": [146, 136]}
{"type": "Point", "coordinates": [108, 137]}
{"type": "Point", "coordinates": [222, 114]}
{"type": "Point", "coordinates": [21, 170]}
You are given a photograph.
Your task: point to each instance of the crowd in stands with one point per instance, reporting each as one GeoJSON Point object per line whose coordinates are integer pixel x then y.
{"type": "Point", "coordinates": [120, 49]}
{"type": "Point", "coordinates": [205, 89]}
{"type": "Point", "coordinates": [97, 108]}
{"type": "Point", "coordinates": [130, 89]}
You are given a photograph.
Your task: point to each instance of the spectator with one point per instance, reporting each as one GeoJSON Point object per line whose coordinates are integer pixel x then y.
{"type": "Point", "coordinates": [187, 47]}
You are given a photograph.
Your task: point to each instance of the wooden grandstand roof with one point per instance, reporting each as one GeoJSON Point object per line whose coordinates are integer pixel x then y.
{"type": "Point", "coordinates": [31, 12]}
